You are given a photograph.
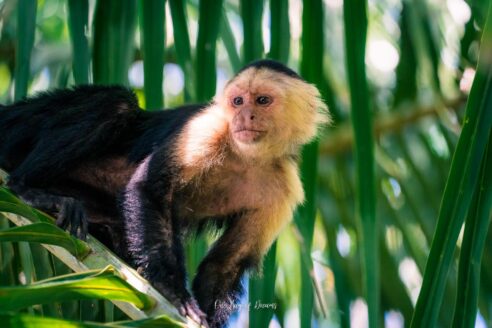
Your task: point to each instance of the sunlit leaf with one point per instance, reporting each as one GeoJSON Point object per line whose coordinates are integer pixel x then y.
{"type": "Point", "coordinates": [104, 284]}
{"type": "Point", "coordinates": [46, 233]}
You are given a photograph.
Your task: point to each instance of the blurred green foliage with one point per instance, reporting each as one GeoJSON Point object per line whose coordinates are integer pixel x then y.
{"type": "Point", "coordinates": [389, 184]}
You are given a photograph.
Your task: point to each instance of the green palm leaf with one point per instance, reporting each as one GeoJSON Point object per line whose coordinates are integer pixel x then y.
{"type": "Point", "coordinates": [101, 284]}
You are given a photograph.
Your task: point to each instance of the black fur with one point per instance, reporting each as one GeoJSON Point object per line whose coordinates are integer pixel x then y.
{"type": "Point", "coordinates": [45, 136]}
{"type": "Point", "coordinates": [272, 65]}
{"type": "Point", "coordinates": [75, 152]}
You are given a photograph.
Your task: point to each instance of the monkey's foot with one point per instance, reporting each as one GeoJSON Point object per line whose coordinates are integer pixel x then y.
{"type": "Point", "coordinates": [191, 309]}
{"type": "Point", "coordinates": [72, 217]}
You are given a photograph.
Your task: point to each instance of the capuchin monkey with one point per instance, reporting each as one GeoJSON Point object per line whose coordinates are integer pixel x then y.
{"type": "Point", "coordinates": [140, 180]}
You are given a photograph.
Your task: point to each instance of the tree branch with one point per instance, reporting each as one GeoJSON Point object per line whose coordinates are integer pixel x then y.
{"type": "Point", "coordinates": [341, 138]}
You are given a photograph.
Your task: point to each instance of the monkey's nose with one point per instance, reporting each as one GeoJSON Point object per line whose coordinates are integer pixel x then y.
{"type": "Point", "coordinates": [247, 114]}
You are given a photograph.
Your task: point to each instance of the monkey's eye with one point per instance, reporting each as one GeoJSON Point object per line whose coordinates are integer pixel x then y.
{"type": "Point", "coordinates": [263, 100]}
{"type": "Point", "coordinates": [238, 101]}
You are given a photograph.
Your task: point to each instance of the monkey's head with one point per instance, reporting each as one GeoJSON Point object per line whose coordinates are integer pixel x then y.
{"type": "Point", "coordinates": [271, 111]}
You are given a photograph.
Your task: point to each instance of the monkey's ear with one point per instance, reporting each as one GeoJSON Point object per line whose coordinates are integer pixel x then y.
{"type": "Point", "coordinates": [323, 116]}
{"type": "Point", "coordinates": [308, 110]}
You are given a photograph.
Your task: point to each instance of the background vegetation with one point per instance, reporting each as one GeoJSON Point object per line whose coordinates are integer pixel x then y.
{"type": "Point", "coordinates": [381, 239]}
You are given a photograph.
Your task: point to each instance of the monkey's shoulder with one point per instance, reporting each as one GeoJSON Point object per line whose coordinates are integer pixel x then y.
{"type": "Point", "coordinates": [158, 131]}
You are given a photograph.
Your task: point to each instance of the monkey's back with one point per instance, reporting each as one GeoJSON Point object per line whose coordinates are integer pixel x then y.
{"type": "Point", "coordinates": [65, 126]}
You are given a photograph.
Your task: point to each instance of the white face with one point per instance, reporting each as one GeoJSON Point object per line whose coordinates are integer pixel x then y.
{"type": "Point", "coordinates": [269, 112]}
{"type": "Point", "coordinates": [250, 122]}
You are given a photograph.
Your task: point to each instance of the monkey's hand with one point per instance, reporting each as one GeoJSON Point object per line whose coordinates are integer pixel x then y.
{"type": "Point", "coordinates": [185, 303]}
{"type": "Point", "coordinates": [191, 309]}
{"type": "Point", "coordinates": [72, 217]}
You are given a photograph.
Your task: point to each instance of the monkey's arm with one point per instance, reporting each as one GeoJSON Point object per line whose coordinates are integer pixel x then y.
{"type": "Point", "coordinates": [152, 232]}
{"type": "Point", "coordinates": [69, 211]}
{"type": "Point", "coordinates": [217, 285]}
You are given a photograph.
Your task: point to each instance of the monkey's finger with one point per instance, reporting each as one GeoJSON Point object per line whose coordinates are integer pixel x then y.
{"type": "Point", "coordinates": [192, 310]}
{"type": "Point", "coordinates": [63, 217]}
{"type": "Point", "coordinates": [61, 222]}
{"type": "Point", "coordinates": [73, 229]}
{"type": "Point", "coordinates": [201, 321]}
{"type": "Point", "coordinates": [84, 229]}
{"type": "Point", "coordinates": [75, 215]}
{"type": "Point", "coordinates": [80, 222]}
{"type": "Point", "coordinates": [74, 221]}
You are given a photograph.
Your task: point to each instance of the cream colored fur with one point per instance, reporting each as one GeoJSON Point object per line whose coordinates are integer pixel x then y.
{"type": "Point", "coordinates": [229, 176]}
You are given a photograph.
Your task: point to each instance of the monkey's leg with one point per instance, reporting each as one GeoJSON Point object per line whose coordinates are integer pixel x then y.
{"type": "Point", "coordinates": [70, 212]}
{"type": "Point", "coordinates": [154, 243]}
{"type": "Point", "coordinates": [36, 181]}
{"type": "Point", "coordinates": [217, 285]}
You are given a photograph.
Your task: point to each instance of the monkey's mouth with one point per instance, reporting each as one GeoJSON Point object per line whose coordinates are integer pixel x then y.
{"type": "Point", "coordinates": [249, 135]}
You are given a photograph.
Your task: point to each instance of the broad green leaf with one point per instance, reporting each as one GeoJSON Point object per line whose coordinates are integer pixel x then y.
{"type": "Point", "coordinates": [312, 71]}
{"type": "Point", "coordinates": [210, 13]}
{"type": "Point", "coordinates": [103, 284]}
{"type": "Point", "coordinates": [99, 257]}
{"type": "Point", "coordinates": [70, 309]}
{"type": "Point", "coordinates": [113, 48]}
{"type": "Point", "coordinates": [78, 275]}
{"type": "Point", "coordinates": [182, 44]}
{"type": "Point", "coordinates": [152, 23]}
{"type": "Point", "coordinates": [19, 209]}
{"type": "Point", "coordinates": [46, 233]}
{"type": "Point", "coordinates": [11, 320]}
{"type": "Point", "coordinates": [474, 238]}
{"type": "Point", "coordinates": [406, 71]}
{"type": "Point", "coordinates": [460, 186]}
{"type": "Point", "coordinates": [26, 262]}
{"type": "Point", "coordinates": [280, 30]}
{"type": "Point", "coordinates": [161, 321]}
{"type": "Point", "coordinates": [229, 42]}
{"type": "Point", "coordinates": [355, 22]}
{"type": "Point", "coordinates": [12, 204]}
{"type": "Point", "coordinates": [7, 196]}
{"type": "Point", "coordinates": [108, 311]}
{"type": "Point", "coordinates": [78, 22]}
{"type": "Point", "coordinates": [6, 257]}
{"type": "Point", "coordinates": [26, 25]}
{"type": "Point", "coordinates": [43, 269]}
{"type": "Point", "coordinates": [251, 12]}
{"type": "Point", "coordinates": [16, 320]}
